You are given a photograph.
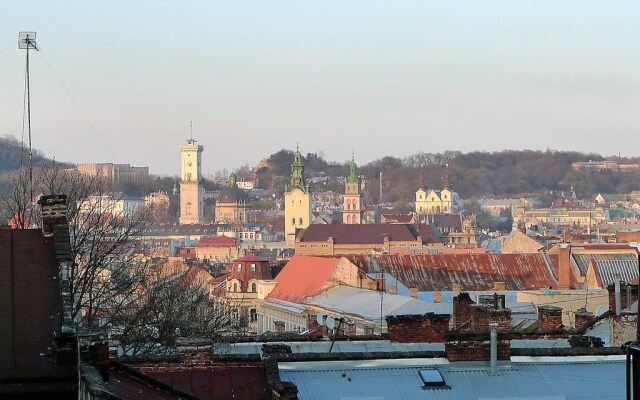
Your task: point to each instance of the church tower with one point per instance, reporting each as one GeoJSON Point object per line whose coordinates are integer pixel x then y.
{"type": "Point", "coordinates": [352, 200]}
{"type": "Point", "coordinates": [191, 193]}
{"type": "Point", "coordinates": [297, 201]}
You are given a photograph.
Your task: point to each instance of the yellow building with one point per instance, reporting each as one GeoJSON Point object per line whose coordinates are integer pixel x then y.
{"type": "Point", "coordinates": [191, 193]}
{"type": "Point", "coordinates": [352, 200]}
{"type": "Point", "coordinates": [297, 201]}
{"type": "Point", "coordinates": [430, 201]}
{"type": "Point", "coordinates": [231, 205]}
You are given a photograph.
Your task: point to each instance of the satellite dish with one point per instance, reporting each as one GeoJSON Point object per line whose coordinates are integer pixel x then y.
{"type": "Point", "coordinates": [331, 323]}
{"type": "Point", "coordinates": [320, 319]}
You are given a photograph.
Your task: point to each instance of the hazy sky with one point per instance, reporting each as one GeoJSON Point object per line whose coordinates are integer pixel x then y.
{"type": "Point", "coordinates": [379, 78]}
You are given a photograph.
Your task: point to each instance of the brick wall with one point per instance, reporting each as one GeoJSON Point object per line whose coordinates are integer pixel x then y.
{"type": "Point", "coordinates": [474, 347]}
{"type": "Point", "coordinates": [549, 318]}
{"type": "Point", "coordinates": [482, 316]}
{"type": "Point", "coordinates": [427, 328]}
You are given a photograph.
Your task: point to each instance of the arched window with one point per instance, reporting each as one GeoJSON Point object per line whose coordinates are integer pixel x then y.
{"type": "Point", "coordinates": [300, 220]}
{"type": "Point", "coordinates": [254, 287]}
{"type": "Point", "coordinates": [235, 287]}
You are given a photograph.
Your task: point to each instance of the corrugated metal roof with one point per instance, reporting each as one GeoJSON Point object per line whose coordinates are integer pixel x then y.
{"type": "Point", "coordinates": [573, 380]}
{"type": "Point", "coordinates": [582, 259]}
{"type": "Point", "coordinates": [474, 271]}
{"type": "Point", "coordinates": [346, 300]}
{"type": "Point", "coordinates": [609, 271]}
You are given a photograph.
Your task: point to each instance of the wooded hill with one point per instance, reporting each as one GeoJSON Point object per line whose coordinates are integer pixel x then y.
{"type": "Point", "coordinates": [501, 174]}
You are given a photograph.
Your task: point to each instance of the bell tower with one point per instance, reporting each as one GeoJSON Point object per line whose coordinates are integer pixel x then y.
{"type": "Point", "coordinates": [191, 193]}
{"type": "Point", "coordinates": [352, 201]}
{"type": "Point", "coordinates": [297, 200]}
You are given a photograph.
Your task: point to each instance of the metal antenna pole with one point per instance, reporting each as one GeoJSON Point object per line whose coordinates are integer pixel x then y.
{"type": "Point", "coordinates": [27, 41]}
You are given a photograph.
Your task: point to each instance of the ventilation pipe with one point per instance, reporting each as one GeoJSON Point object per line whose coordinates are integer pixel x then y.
{"type": "Point", "coordinates": [618, 296]}
{"type": "Point", "coordinates": [493, 362]}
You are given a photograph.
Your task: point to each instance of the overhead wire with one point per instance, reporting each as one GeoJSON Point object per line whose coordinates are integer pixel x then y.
{"type": "Point", "coordinates": [95, 131]}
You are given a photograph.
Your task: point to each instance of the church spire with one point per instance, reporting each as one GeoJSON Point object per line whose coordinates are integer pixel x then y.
{"type": "Point", "coordinates": [445, 178]}
{"type": "Point", "coordinates": [353, 171]}
{"type": "Point", "coordinates": [297, 173]}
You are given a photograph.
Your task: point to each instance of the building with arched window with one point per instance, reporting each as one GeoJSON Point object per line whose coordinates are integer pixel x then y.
{"type": "Point", "coordinates": [242, 288]}
{"type": "Point", "coordinates": [352, 200]}
{"type": "Point", "coordinates": [297, 201]}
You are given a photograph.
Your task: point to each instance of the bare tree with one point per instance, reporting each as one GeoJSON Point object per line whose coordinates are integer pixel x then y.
{"type": "Point", "coordinates": [168, 307]}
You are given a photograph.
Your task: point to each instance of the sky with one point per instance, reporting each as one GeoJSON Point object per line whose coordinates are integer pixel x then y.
{"type": "Point", "coordinates": [121, 81]}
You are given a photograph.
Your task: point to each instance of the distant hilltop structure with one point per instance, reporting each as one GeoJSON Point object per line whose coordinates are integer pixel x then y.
{"type": "Point", "coordinates": [604, 165]}
{"type": "Point", "coordinates": [115, 174]}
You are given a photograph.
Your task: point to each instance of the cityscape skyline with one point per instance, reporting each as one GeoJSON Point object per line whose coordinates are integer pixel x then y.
{"type": "Point", "coordinates": [121, 82]}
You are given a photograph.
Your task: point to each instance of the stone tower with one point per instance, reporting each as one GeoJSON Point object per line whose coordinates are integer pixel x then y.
{"type": "Point", "coordinates": [191, 193]}
{"type": "Point", "coordinates": [352, 200]}
{"type": "Point", "coordinates": [297, 201]}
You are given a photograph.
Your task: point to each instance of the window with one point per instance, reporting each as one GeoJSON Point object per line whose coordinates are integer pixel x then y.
{"type": "Point", "coordinates": [254, 314]}
{"type": "Point", "coordinates": [300, 219]}
{"type": "Point", "coordinates": [239, 267]}
{"type": "Point", "coordinates": [253, 267]}
{"type": "Point", "coordinates": [432, 379]}
{"type": "Point", "coordinates": [254, 287]}
{"type": "Point", "coordinates": [293, 221]}
{"type": "Point", "coordinates": [235, 287]}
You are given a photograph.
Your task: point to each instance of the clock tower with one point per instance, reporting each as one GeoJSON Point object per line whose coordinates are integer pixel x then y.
{"type": "Point", "coordinates": [191, 193]}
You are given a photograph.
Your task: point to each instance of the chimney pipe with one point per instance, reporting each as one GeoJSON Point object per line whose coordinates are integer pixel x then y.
{"type": "Point", "coordinates": [493, 362]}
{"type": "Point", "coordinates": [618, 296]}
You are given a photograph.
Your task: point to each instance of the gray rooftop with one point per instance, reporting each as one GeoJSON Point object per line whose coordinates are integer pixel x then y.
{"type": "Point", "coordinates": [602, 378]}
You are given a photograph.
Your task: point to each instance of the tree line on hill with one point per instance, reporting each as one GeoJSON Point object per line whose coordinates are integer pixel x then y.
{"type": "Point", "coordinates": [500, 174]}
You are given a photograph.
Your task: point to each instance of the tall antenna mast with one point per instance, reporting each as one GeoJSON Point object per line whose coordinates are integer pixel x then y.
{"type": "Point", "coordinates": [27, 41]}
{"type": "Point", "coordinates": [191, 129]}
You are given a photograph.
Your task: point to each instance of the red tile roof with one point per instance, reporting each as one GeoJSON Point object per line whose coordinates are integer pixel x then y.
{"type": "Point", "coordinates": [302, 277]}
{"type": "Point", "coordinates": [218, 241]}
{"type": "Point", "coordinates": [473, 271]}
{"type": "Point", "coordinates": [358, 234]}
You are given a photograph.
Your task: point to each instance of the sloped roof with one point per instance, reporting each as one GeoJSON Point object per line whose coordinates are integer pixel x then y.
{"type": "Point", "coordinates": [218, 241]}
{"type": "Point", "coordinates": [232, 194]}
{"type": "Point", "coordinates": [608, 271]}
{"type": "Point", "coordinates": [303, 277]}
{"type": "Point", "coordinates": [346, 300]}
{"type": "Point", "coordinates": [251, 257]}
{"type": "Point", "coordinates": [355, 234]}
{"type": "Point", "coordinates": [473, 271]}
{"type": "Point", "coordinates": [428, 233]}
{"type": "Point", "coordinates": [582, 259]}
{"type": "Point", "coordinates": [399, 218]}
{"type": "Point", "coordinates": [449, 221]}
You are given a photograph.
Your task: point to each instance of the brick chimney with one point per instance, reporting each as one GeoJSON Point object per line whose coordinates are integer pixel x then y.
{"type": "Point", "coordinates": [473, 346]}
{"type": "Point", "coordinates": [456, 287]}
{"type": "Point", "coordinates": [414, 292]}
{"type": "Point", "coordinates": [500, 285]}
{"type": "Point", "coordinates": [437, 297]}
{"type": "Point", "coordinates": [549, 318]}
{"type": "Point", "coordinates": [564, 266]}
{"type": "Point", "coordinates": [628, 295]}
{"type": "Point", "coordinates": [54, 212]}
{"type": "Point", "coordinates": [462, 311]}
{"type": "Point", "coordinates": [583, 318]}
{"type": "Point", "coordinates": [427, 328]}
{"type": "Point", "coordinates": [482, 316]}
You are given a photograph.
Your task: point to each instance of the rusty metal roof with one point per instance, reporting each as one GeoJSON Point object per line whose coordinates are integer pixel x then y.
{"type": "Point", "coordinates": [474, 271]}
